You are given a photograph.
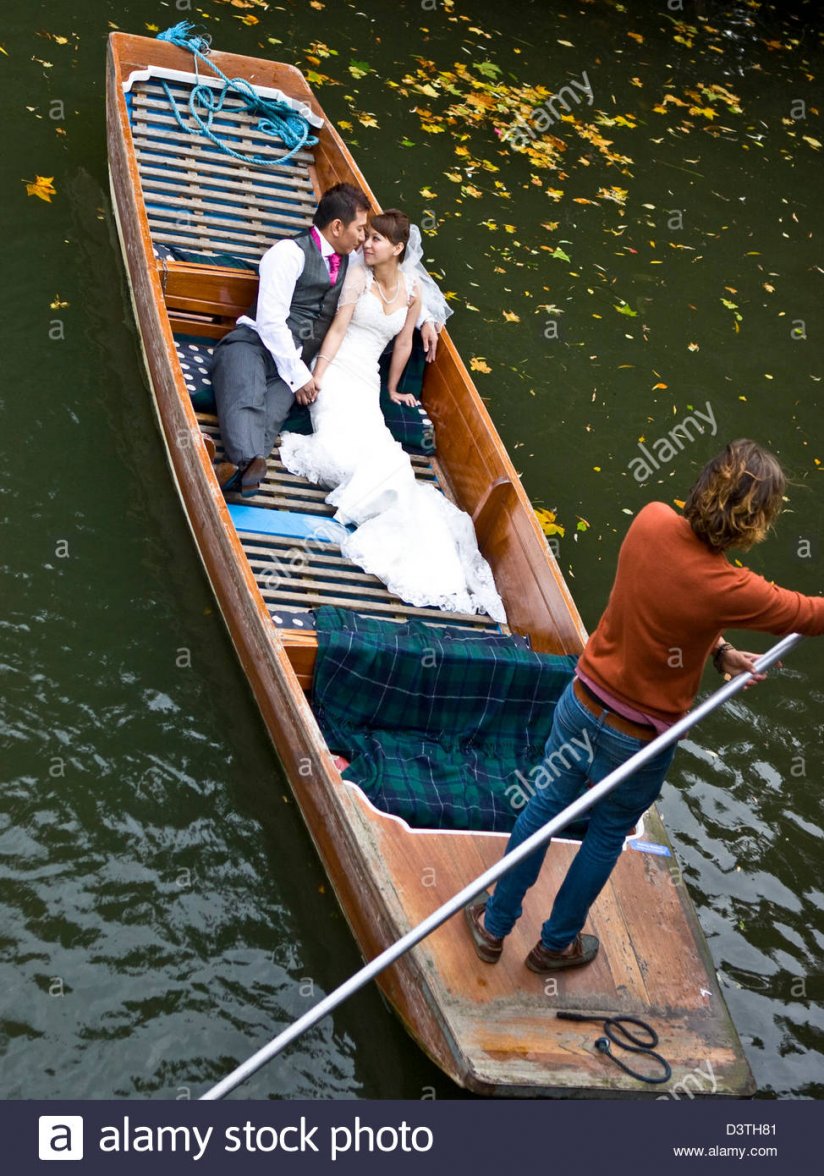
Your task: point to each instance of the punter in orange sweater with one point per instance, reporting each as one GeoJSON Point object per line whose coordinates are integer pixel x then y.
{"type": "Point", "coordinates": [674, 593]}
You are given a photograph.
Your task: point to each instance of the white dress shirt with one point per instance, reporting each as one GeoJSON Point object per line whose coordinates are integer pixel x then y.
{"type": "Point", "coordinates": [280, 267]}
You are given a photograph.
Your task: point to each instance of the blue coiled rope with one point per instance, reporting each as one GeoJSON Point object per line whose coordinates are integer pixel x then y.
{"type": "Point", "coordinates": [275, 118]}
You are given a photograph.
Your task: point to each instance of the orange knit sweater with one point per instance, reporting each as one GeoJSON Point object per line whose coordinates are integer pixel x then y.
{"type": "Point", "coordinates": [671, 600]}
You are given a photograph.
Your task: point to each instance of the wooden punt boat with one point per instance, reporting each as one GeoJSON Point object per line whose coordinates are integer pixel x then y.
{"type": "Point", "coordinates": [492, 1030]}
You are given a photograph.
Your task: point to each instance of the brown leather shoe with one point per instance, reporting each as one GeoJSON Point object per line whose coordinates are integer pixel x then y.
{"type": "Point", "coordinates": [227, 474]}
{"type": "Point", "coordinates": [209, 445]}
{"type": "Point", "coordinates": [488, 947]}
{"type": "Point", "coordinates": [584, 949]}
{"type": "Point", "coordinates": [252, 476]}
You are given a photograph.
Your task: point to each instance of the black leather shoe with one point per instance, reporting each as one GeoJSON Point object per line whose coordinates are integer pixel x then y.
{"type": "Point", "coordinates": [252, 476]}
{"type": "Point", "coordinates": [488, 947]}
{"type": "Point", "coordinates": [583, 951]}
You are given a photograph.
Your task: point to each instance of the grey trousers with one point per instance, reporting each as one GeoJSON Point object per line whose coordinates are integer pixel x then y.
{"type": "Point", "coordinates": [252, 400]}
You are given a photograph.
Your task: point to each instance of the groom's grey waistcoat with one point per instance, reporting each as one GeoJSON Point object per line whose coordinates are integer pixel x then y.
{"type": "Point", "coordinates": [315, 299]}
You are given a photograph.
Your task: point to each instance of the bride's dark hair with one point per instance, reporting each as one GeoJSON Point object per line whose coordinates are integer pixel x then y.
{"type": "Point", "coordinates": [394, 225]}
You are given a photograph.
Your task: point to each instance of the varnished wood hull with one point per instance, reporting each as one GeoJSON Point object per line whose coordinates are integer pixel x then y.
{"type": "Point", "coordinates": [492, 1030]}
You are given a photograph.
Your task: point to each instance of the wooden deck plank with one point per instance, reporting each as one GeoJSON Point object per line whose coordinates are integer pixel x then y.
{"type": "Point", "coordinates": [149, 119]}
{"type": "Point", "coordinates": [275, 212]}
{"type": "Point", "coordinates": [233, 174]}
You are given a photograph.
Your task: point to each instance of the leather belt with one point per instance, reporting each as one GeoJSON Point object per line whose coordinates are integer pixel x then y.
{"type": "Point", "coordinates": [617, 722]}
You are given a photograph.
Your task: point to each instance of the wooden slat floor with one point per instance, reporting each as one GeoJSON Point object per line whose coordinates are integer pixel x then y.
{"type": "Point", "coordinates": [294, 574]}
{"type": "Point", "coordinates": [179, 170]}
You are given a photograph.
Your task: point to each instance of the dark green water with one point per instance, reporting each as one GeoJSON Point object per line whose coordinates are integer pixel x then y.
{"type": "Point", "coordinates": [163, 911]}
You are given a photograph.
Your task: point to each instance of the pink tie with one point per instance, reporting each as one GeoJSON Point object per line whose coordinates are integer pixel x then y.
{"type": "Point", "coordinates": [334, 258]}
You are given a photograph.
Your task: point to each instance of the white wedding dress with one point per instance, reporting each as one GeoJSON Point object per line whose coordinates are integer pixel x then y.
{"type": "Point", "coordinates": [408, 534]}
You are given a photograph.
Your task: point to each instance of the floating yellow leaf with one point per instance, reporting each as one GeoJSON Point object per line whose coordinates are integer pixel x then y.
{"type": "Point", "coordinates": [511, 316]}
{"type": "Point", "coordinates": [692, 347]}
{"type": "Point", "coordinates": [57, 303]}
{"type": "Point", "coordinates": [619, 195]}
{"type": "Point", "coordinates": [318, 79]}
{"type": "Point", "coordinates": [813, 142]}
{"type": "Point", "coordinates": [655, 387]}
{"type": "Point", "coordinates": [41, 186]}
{"type": "Point", "coordinates": [367, 120]}
{"type": "Point", "coordinates": [428, 194]}
{"type": "Point", "coordinates": [479, 364]}
{"type": "Point", "coordinates": [454, 176]}
{"type": "Point", "coordinates": [679, 502]}
{"type": "Point", "coordinates": [153, 28]}
{"type": "Point", "coordinates": [546, 519]}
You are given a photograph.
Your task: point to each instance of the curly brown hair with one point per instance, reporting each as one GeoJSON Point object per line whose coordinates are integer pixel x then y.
{"type": "Point", "coordinates": [737, 496]}
{"type": "Point", "coordinates": [394, 225]}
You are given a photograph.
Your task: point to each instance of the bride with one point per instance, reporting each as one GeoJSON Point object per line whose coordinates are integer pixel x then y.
{"type": "Point", "coordinates": [408, 534]}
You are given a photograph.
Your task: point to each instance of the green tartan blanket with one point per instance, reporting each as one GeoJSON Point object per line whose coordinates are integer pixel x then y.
{"type": "Point", "coordinates": [435, 721]}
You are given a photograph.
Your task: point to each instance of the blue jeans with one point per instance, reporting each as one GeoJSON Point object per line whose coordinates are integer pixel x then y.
{"type": "Point", "coordinates": [598, 751]}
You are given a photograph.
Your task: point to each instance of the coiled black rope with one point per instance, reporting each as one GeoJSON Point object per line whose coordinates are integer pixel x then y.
{"type": "Point", "coordinates": [618, 1034]}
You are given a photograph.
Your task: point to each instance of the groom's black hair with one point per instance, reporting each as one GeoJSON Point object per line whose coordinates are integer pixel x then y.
{"type": "Point", "coordinates": [342, 202]}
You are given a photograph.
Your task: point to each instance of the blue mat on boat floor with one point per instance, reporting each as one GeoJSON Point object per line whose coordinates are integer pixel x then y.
{"type": "Point", "coordinates": [289, 524]}
{"type": "Point", "coordinates": [443, 727]}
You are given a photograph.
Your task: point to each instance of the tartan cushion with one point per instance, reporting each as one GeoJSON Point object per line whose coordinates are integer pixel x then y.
{"type": "Point", "coordinates": [435, 721]}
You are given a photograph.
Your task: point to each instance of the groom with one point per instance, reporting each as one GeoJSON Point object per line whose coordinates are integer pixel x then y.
{"type": "Point", "coordinates": [261, 367]}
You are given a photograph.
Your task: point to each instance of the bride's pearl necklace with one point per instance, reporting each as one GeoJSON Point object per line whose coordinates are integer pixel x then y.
{"type": "Point", "coordinates": [392, 296]}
